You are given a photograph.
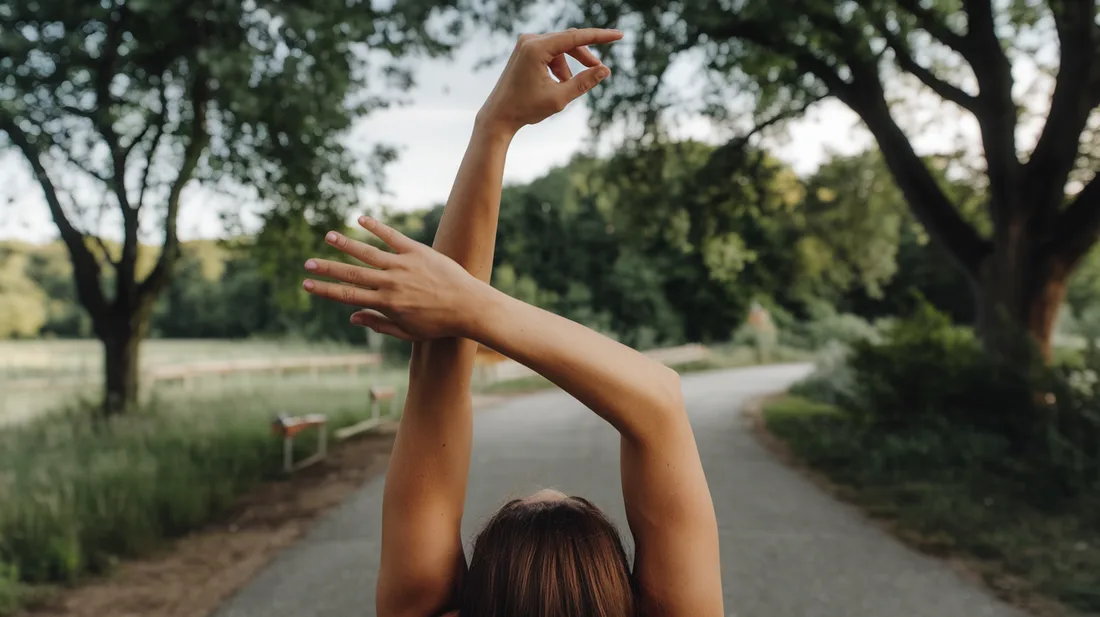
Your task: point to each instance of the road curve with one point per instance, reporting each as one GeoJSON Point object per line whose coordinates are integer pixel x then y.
{"type": "Point", "coordinates": [788, 550]}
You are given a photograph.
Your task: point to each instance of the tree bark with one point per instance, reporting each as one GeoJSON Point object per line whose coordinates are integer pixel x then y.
{"type": "Point", "coordinates": [122, 335]}
{"type": "Point", "coordinates": [1018, 291]}
{"type": "Point", "coordinates": [121, 363]}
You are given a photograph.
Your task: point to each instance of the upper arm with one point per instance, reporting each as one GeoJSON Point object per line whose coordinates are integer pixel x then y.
{"type": "Point", "coordinates": [671, 516]}
{"type": "Point", "coordinates": [422, 561]}
{"type": "Point", "coordinates": [424, 580]}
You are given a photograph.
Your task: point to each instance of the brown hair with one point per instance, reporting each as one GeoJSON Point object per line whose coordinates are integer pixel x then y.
{"type": "Point", "coordinates": [556, 558]}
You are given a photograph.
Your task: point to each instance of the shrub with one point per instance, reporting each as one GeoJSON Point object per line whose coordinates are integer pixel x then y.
{"type": "Point", "coordinates": [930, 390]}
{"type": "Point", "coordinates": [11, 592]}
{"type": "Point", "coordinates": [824, 327]}
{"type": "Point", "coordinates": [832, 381]}
{"type": "Point", "coordinates": [827, 326]}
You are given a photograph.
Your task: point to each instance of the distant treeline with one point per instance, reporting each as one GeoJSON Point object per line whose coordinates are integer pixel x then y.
{"type": "Point", "coordinates": [657, 245]}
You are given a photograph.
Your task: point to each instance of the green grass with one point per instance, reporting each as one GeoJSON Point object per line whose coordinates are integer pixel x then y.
{"type": "Point", "coordinates": [77, 495]}
{"type": "Point", "coordinates": [950, 506]}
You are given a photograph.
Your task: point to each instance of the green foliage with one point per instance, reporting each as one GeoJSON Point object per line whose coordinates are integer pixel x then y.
{"type": "Point", "coordinates": [11, 590]}
{"type": "Point", "coordinates": [263, 89]}
{"type": "Point", "coordinates": [653, 246]}
{"type": "Point", "coordinates": [23, 306]}
{"type": "Point", "coordinates": [117, 107]}
{"type": "Point", "coordinates": [898, 65]}
{"type": "Point", "coordinates": [943, 492]}
{"type": "Point", "coordinates": [925, 381]}
{"type": "Point", "coordinates": [853, 214]}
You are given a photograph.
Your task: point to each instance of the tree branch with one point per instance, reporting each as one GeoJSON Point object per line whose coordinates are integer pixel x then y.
{"type": "Point", "coordinates": [906, 60]}
{"type": "Point", "coordinates": [926, 199]}
{"type": "Point", "coordinates": [103, 119]}
{"type": "Point", "coordinates": [865, 95]}
{"type": "Point", "coordinates": [162, 118]}
{"type": "Point", "coordinates": [1078, 226]}
{"type": "Point", "coordinates": [996, 110]}
{"type": "Point", "coordinates": [82, 167]}
{"type": "Point", "coordinates": [103, 247]}
{"type": "Point", "coordinates": [1076, 93]}
{"type": "Point", "coordinates": [85, 266]}
{"type": "Point", "coordinates": [769, 38]}
{"type": "Point", "coordinates": [786, 114]}
{"type": "Point", "coordinates": [153, 121]}
{"type": "Point", "coordinates": [931, 23]}
{"type": "Point", "coordinates": [162, 272]}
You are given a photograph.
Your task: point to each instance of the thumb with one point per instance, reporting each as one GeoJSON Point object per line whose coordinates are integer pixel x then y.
{"type": "Point", "coordinates": [585, 81]}
{"type": "Point", "coordinates": [380, 323]}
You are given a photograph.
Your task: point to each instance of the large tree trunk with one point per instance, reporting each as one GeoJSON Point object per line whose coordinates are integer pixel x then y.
{"type": "Point", "coordinates": [121, 365]}
{"type": "Point", "coordinates": [1018, 292]}
{"type": "Point", "coordinates": [122, 336]}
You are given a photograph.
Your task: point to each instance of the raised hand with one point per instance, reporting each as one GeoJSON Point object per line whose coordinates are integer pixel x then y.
{"type": "Point", "coordinates": [526, 94]}
{"type": "Point", "coordinates": [414, 293]}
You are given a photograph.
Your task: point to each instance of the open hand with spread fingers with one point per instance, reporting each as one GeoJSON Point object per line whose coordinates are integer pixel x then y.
{"type": "Point", "coordinates": [413, 293]}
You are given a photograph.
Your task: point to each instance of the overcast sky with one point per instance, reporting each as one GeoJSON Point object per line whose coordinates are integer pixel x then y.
{"type": "Point", "coordinates": [431, 133]}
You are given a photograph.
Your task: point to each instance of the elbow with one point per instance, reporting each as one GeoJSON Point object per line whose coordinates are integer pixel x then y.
{"type": "Point", "coordinates": [671, 396]}
{"type": "Point", "coordinates": [664, 414]}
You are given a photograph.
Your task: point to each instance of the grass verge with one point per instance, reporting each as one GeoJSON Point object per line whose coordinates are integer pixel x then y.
{"type": "Point", "coordinates": [78, 495]}
{"type": "Point", "coordinates": [1047, 559]}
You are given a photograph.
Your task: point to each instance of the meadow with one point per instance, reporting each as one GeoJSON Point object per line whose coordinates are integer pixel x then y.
{"type": "Point", "coordinates": [76, 495]}
{"type": "Point", "coordinates": [43, 375]}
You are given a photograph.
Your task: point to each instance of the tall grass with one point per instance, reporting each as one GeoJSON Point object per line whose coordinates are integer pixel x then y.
{"type": "Point", "coordinates": [78, 494]}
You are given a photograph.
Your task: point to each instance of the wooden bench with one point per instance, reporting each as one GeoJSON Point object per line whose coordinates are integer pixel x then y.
{"type": "Point", "coordinates": [289, 427]}
{"type": "Point", "coordinates": [378, 395]}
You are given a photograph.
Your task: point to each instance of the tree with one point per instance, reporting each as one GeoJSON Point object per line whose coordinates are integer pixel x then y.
{"type": "Point", "coordinates": [716, 221]}
{"type": "Point", "coordinates": [864, 252]}
{"type": "Point", "coordinates": [1043, 202]}
{"type": "Point", "coordinates": [118, 106]}
{"type": "Point", "coordinates": [852, 219]}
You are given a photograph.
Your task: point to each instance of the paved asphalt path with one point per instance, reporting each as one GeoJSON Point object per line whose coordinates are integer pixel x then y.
{"type": "Point", "coordinates": [788, 550]}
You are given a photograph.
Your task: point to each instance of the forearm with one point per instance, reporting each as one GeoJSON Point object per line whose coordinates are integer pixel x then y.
{"type": "Point", "coordinates": [467, 234]}
{"type": "Point", "coordinates": [467, 231]}
{"type": "Point", "coordinates": [640, 397]}
{"type": "Point", "coordinates": [426, 481]}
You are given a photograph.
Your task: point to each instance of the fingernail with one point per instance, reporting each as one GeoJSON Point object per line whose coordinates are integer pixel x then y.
{"type": "Point", "coordinates": [603, 72]}
{"type": "Point", "coordinates": [366, 221]}
{"type": "Point", "coordinates": [356, 319]}
{"type": "Point", "coordinates": [311, 265]}
{"type": "Point", "coordinates": [331, 236]}
{"type": "Point", "coordinates": [308, 284]}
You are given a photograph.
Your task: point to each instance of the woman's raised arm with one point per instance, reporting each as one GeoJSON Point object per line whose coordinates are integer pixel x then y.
{"type": "Point", "coordinates": [422, 559]}
{"type": "Point", "coordinates": [419, 293]}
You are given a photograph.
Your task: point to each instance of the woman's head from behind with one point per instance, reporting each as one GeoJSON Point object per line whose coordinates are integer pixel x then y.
{"type": "Point", "coordinates": [548, 556]}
